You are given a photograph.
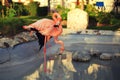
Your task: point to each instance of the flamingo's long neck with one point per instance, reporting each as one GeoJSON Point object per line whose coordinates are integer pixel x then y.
{"type": "Point", "coordinates": [60, 30]}
{"type": "Point", "coordinates": [61, 44]}
{"type": "Point", "coordinates": [57, 18]}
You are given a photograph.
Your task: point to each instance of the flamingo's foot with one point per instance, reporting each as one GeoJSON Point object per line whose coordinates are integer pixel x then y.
{"type": "Point", "coordinates": [56, 56]}
{"type": "Point", "coordinates": [60, 54]}
{"type": "Point", "coordinates": [49, 45]}
{"type": "Point", "coordinates": [47, 70]}
{"type": "Point", "coordinates": [61, 50]}
{"type": "Point", "coordinates": [53, 57]}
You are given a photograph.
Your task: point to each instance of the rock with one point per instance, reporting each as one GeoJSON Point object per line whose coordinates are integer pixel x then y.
{"type": "Point", "coordinates": [81, 56]}
{"type": "Point", "coordinates": [24, 36]}
{"type": "Point", "coordinates": [116, 55]}
{"type": "Point", "coordinates": [1, 35]}
{"type": "Point", "coordinates": [9, 41]}
{"type": "Point", "coordinates": [6, 45]}
{"type": "Point", "coordinates": [77, 20]}
{"type": "Point", "coordinates": [17, 39]}
{"type": "Point", "coordinates": [106, 56]}
{"type": "Point", "coordinates": [95, 53]}
{"type": "Point", "coordinates": [75, 56]}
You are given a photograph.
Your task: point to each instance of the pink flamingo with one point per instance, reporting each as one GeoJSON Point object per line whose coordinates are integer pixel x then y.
{"type": "Point", "coordinates": [48, 28]}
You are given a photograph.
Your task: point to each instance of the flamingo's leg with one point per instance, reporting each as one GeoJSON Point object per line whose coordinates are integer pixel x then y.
{"type": "Point", "coordinates": [31, 33]}
{"type": "Point", "coordinates": [45, 67]}
{"type": "Point", "coordinates": [45, 44]}
{"type": "Point", "coordinates": [61, 44]}
{"type": "Point", "coordinates": [45, 62]}
{"type": "Point", "coordinates": [48, 38]}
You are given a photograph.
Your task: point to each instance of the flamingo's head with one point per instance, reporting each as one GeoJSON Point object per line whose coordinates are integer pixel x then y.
{"type": "Point", "coordinates": [58, 22]}
{"type": "Point", "coordinates": [56, 17]}
{"type": "Point", "coordinates": [59, 18]}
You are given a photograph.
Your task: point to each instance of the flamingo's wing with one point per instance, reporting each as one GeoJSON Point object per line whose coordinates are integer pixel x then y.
{"type": "Point", "coordinates": [46, 26]}
{"type": "Point", "coordinates": [40, 37]}
{"type": "Point", "coordinates": [43, 28]}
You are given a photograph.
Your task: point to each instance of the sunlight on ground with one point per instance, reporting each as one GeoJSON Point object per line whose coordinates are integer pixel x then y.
{"type": "Point", "coordinates": [93, 68]}
{"type": "Point", "coordinates": [65, 65]}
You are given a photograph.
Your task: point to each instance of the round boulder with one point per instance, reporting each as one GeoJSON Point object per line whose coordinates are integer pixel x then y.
{"type": "Point", "coordinates": [106, 56]}
{"type": "Point", "coordinates": [81, 56]}
{"type": "Point", "coordinates": [117, 55]}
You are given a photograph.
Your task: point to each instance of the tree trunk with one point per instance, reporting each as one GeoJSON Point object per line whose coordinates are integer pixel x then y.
{"type": "Point", "coordinates": [19, 1]}
{"type": "Point", "coordinates": [77, 3]}
{"type": "Point", "coordinates": [87, 1]}
{"type": "Point", "coordinates": [63, 3]}
{"type": "Point", "coordinates": [82, 4]}
{"type": "Point", "coordinates": [116, 2]}
{"type": "Point", "coordinates": [3, 2]}
{"type": "Point", "coordinates": [48, 6]}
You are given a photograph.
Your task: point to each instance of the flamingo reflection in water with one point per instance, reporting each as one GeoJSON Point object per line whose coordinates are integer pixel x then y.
{"type": "Point", "coordinates": [48, 28]}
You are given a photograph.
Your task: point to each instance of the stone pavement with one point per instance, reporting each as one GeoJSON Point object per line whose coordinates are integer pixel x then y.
{"type": "Point", "coordinates": [92, 32]}
{"type": "Point", "coordinates": [26, 61]}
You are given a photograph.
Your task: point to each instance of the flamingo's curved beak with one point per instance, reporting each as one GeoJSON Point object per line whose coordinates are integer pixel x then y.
{"type": "Point", "coordinates": [57, 24]}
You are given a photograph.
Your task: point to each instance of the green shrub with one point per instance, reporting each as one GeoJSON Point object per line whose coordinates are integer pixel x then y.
{"type": "Point", "coordinates": [10, 12]}
{"type": "Point", "coordinates": [0, 10]}
{"type": "Point", "coordinates": [115, 22]}
{"type": "Point", "coordinates": [104, 18]}
{"type": "Point", "coordinates": [113, 28]}
{"type": "Point", "coordinates": [32, 8]}
{"type": "Point", "coordinates": [20, 9]}
{"type": "Point", "coordinates": [92, 21]}
{"type": "Point", "coordinates": [63, 11]}
{"type": "Point", "coordinates": [91, 10]}
{"type": "Point", "coordinates": [101, 17]}
{"type": "Point", "coordinates": [42, 11]}
{"type": "Point", "coordinates": [11, 26]}
{"type": "Point", "coordinates": [3, 11]}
